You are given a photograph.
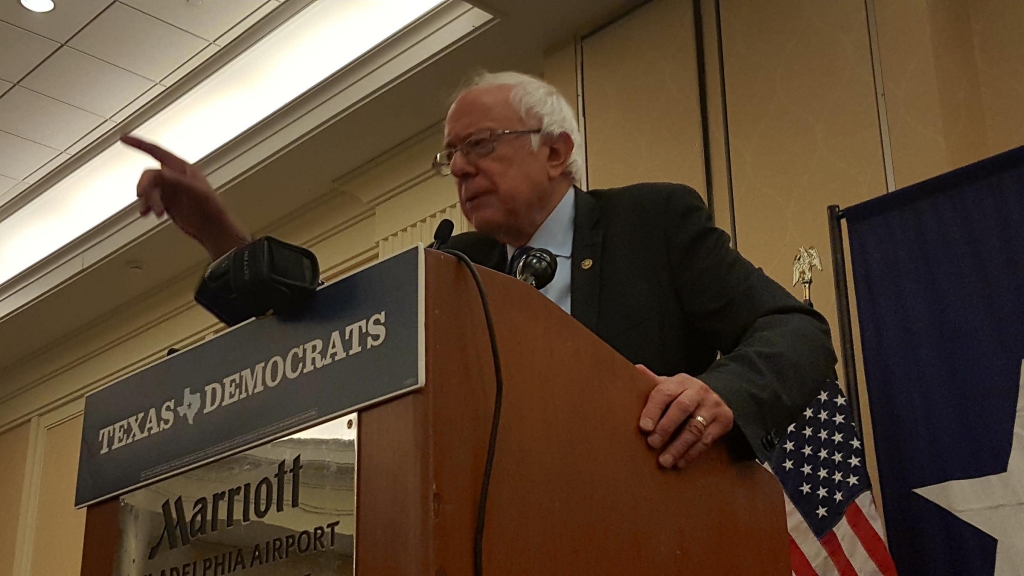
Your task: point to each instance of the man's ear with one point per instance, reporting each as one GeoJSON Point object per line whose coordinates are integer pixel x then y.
{"type": "Point", "coordinates": [560, 149]}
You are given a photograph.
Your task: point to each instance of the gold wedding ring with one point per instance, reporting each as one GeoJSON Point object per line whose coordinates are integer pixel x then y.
{"type": "Point", "coordinates": [702, 421]}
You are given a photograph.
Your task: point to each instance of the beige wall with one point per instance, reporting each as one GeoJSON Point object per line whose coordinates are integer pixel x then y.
{"type": "Point", "coordinates": [641, 99]}
{"type": "Point", "coordinates": [952, 75]}
{"type": "Point", "coordinates": [14, 446]}
{"type": "Point", "coordinates": [56, 538]}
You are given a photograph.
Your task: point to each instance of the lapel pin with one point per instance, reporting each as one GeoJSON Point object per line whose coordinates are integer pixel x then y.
{"type": "Point", "coordinates": [586, 264]}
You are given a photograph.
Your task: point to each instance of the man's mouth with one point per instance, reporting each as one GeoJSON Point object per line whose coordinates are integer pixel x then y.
{"type": "Point", "coordinates": [470, 197]}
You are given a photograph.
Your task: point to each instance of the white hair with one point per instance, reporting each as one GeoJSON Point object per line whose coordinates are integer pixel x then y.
{"type": "Point", "coordinates": [536, 98]}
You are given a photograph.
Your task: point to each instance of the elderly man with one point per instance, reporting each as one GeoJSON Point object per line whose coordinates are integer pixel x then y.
{"type": "Point", "coordinates": [728, 351]}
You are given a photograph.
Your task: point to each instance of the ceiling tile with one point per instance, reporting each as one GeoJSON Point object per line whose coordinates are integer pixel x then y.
{"type": "Point", "coordinates": [86, 82]}
{"type": "Point", "coordinates": [139, 102]}
{"type": "Point", "coordinates": [90, 137]}
{"type": "Point", "coordinates": [44, 120]}
{"type": "Point", "coordinates": [6, 184]}
{"type": "Point", "coordinates": [138, 42]}
{"type": "Point", "coordinates": [47, 168]}
{"type": "Point", "coordinates": [244, 25]}
{"type": "Point", "coordinates": [190, 65]}
{"type": "Point", "coordinates": [4, 87]}
{"type": "Point", "coordinates": [207, 20]}
{"type": "Point", "coordinates": [20, 157]}
{"type": "Point", "coordinates": [61, 23]}
{"type": "Point", "coordinates": [9, 195]}
{"type": "Point", "coordinates": [21, 51]}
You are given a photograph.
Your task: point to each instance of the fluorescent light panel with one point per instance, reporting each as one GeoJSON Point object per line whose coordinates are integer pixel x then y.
{"type": "Point", "coordinates": [314, 44]}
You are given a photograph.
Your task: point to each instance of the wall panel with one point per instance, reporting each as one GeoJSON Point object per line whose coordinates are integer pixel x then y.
{"type": "Point", "coordinates": [14, 447]}
{"type": "Point", "coordinates": [999, 48]}
{"type": "Point", "coordinates": [641, 99]}
{"type": "Point", "coordinates": [803, 125]}
{"type": "Point", "coordinates": [56, 545]}
{"type": "Point", "coordinates": [951, 74]}
{"type": "Point", "coordinates": [914, 109]}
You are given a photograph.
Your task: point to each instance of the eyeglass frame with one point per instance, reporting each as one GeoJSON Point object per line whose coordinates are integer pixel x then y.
{"type": "Point", "coordinates": [444, 168]}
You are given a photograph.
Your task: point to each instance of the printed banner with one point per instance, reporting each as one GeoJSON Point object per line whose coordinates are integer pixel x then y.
{"type": "Point", "coordinates": [360, 342]}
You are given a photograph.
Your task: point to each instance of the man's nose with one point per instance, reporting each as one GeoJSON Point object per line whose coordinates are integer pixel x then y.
{"type": "Point", "coordinates": [462, 168]}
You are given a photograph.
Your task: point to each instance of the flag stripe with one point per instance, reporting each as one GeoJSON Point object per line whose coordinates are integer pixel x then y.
{"type": "Point", "coordinates": [867, 506]}
{"type": "Point", "coordinates": [855, 550]}
{"type": "Point", "coordinates": [870, 539]}
{"type": "Point", "coordinates": [800, 565]}
{"type": "Point", "coordinates": [830, 542]}
{"type": "Point", "coordinates": [801, 534]}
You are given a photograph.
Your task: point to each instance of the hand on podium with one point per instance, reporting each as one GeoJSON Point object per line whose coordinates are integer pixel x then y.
{"type": "Point", "coordinates": [682, 401]}
{"type": "Point", "coordinates": [181, 191]}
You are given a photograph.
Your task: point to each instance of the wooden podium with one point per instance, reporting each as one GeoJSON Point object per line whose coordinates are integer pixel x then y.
{"type": "Point", "coordinates": [574, 489]}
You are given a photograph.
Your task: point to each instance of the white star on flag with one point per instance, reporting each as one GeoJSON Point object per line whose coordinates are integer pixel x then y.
{"type": "Point", "coordinates": [806, 488]}
{"type": "Point", "coordinates": [993, 504]}
{"type": "Point", "coordinates": [788, 445]}
{"type": "Point", "coordinates": [823, 396]}
{"type": "Point", "coordinates": [788, 464]}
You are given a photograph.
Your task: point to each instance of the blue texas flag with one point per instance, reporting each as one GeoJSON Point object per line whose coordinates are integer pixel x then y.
{"type": "Point", "coordinates": [939, 275]}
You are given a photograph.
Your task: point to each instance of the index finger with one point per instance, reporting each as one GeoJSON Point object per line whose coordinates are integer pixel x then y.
{"type": "Point", "coordinates": [165, 158]}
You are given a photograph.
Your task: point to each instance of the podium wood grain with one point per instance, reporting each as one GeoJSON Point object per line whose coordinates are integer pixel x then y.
{"type": "Point", "coordinates": [574, 489]}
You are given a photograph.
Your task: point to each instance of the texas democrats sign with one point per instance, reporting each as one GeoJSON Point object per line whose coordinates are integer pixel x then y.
{"type": "Point", "coordinates": [360, 342]}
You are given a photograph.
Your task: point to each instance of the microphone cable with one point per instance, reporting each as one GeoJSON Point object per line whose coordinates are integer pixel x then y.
{"type": "Point", "coordinates": [481, 511]}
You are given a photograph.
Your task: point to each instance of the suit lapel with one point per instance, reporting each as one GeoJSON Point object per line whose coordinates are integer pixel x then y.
{"type": "Point", "coordinates": [586, 261]}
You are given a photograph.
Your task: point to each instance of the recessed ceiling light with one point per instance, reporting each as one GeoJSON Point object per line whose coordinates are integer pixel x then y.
{"type": "Point", "coordinates": [38, 5]}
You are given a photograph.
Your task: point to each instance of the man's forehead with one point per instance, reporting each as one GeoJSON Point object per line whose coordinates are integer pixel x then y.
{"type": "Point", "coordinates": [480, 109]}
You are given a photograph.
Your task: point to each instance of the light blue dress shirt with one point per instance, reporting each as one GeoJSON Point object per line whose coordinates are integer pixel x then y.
{"type": "Point", "coordinates": [555, 234]}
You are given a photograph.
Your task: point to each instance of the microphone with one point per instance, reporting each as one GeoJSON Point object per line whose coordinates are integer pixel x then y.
{"type": "Point", "coordinates": [442, 234]}
{"type": "Point", "coordinates": [537, 268]}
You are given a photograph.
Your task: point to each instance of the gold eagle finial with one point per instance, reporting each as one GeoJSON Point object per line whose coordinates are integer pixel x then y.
{"type": "Point", "coordinates": [806, 259]}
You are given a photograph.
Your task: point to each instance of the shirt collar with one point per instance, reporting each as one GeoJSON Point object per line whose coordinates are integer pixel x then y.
{"type": "Point", "coordinates": [555, 234]}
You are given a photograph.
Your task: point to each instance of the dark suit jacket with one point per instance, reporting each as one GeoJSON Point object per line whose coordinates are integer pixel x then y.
{"type": "Point", "coordinates": [667, 291]}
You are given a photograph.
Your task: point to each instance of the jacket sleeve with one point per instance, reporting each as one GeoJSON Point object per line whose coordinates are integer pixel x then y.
{"type": "Point", "coordinates": [776, 352]}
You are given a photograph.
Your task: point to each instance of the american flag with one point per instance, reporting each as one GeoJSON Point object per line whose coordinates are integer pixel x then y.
{"type": "Point", "coordinates": [833, 525]}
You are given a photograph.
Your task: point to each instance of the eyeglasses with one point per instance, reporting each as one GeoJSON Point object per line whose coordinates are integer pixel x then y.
{"type": "Point", "coordinates": [474, 147]}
